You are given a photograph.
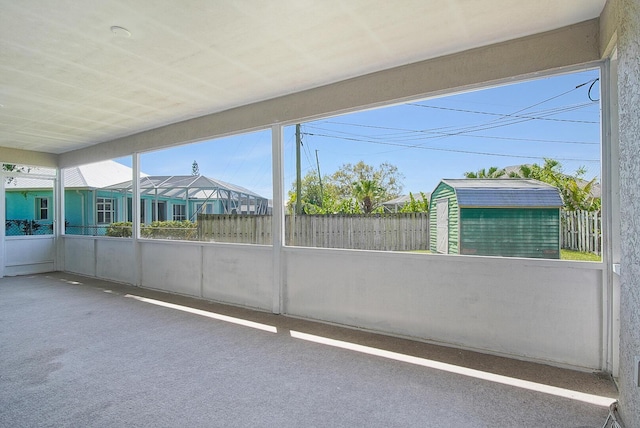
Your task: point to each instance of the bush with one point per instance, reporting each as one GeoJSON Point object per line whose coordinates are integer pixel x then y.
{"type": "Point", "coordinates": [121, 229]}
{"type": "Point", "coordinates": [185, 230]}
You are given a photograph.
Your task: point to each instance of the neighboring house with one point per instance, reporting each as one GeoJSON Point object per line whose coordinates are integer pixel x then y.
{"type": "Point", "coordinates": [94, 199]}
{"type": "Point", "coordinates": [29, 199]}
{"type": "Point", "coordinates": [494, 217]}
{"type": "Point", "coordinates": [183, 197]}
{"type": "Point", "coordinates": [395, 205]}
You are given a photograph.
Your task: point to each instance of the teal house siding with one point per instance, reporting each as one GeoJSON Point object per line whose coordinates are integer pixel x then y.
{"type": "Point", "coordinates": [511, 232]}
{"type": "Point", "coordinates": [75, 207]}
{"type": "Point", "coordinates": [101, 193]}
{"type": "Point", "coordinates": [24, 215]}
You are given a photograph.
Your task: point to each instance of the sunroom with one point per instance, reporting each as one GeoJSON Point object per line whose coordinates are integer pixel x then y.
{"type": "Point", "coordinates": [136, 80]}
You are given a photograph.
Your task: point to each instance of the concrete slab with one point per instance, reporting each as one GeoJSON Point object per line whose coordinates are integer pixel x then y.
{"type": "Point", "coordinates": [77, 351]}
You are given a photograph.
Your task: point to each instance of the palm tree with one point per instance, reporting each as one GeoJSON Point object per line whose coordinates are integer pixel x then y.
{"type": "Point", "coordinates": [576, 193]}
{"type": "Point", "coordinates": [368, 193]}
{"type": "Point", "coordinates": [493, 172]}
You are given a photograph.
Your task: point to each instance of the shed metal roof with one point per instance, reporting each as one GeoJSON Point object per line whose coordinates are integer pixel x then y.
{"type": "Point", "coordinates": [504, 193]}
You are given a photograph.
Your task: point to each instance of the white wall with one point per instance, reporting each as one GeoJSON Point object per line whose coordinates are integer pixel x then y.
{"type": "Point", "coordinates": [541, 310]}
{"type": "Point", "coordinates": [230, 273]}
{"type": "Point", "coordinates": [80, 255]}
{"type": "Point", "coordinates": [629, 135]}
{"type": "Point", "coordinates": [28, 255]}
{"type": "Point", "coordinates": [238, 274]}
{"type": "Point", "coordinates": [107, 258]}
{"type": "Point", "coordinates": [172, 266]}
{"type": "Point", "coordinates": [114, 259]}
{"type": "Point", "coordinates": [533, 309]}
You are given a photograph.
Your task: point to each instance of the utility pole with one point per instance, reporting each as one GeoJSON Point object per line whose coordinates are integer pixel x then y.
{"type": "Point", "coordinates": [298, 172]}
{"type": "Point", "coordinates": [319, 179]}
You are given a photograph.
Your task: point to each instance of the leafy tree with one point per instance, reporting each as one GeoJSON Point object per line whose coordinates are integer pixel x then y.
{"type": "Point", "coordinates": [493, 172]}
{"type": "Point", "coordinates": [575, 191]}
{"type": "Point", "coordinates": [195, 169]}
{"type": "Point", "coordinates": [550, 172]}
{"type": "Point", "coordinates": [315, 200]}
{"type": "Point", "coordinates": [577, 195]}
{"type": "Point", "coordinates": [352, 189]}
{"type": "Point", "coordinates": [14, 168]}
{"type": "Point", "coordinates": [386, 176]}
{"type": "Point", "coordinates": [416, 206]}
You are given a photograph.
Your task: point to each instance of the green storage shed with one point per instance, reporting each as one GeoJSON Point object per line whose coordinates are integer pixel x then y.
{"type": "Point", "coordinates": [495, 217]}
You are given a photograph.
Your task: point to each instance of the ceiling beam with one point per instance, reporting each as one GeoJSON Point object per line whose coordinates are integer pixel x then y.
{"type": "Point", "coordinates": [608, 35]}
{"type": "Point", "coordinates": [28, 157]}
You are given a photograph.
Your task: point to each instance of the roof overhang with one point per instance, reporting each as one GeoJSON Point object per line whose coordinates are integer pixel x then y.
{"type": "Point", "coordinates": [74, 92]}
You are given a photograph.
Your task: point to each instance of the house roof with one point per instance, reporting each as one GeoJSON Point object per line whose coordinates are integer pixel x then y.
{"type": "Point", "coordinates": [504, 193]}
{"type": "Point", "coordinates": [197, 186]}
{"type": "Point", "coordinates": [94, 176]}
{"type": "Point", "coordinates": [111, 175]}
{"type": "Point", "coordinates": [403, 199]}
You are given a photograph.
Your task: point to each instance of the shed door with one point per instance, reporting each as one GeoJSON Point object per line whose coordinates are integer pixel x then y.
{"type": "Point", "coordinates": [442, 225]}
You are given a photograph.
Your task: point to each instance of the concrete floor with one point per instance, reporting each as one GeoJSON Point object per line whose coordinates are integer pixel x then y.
{"type": "Point", "coordinates": [77, 351]}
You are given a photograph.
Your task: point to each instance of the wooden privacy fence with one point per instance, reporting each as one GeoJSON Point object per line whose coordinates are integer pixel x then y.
{"type": "Point", "coordinates": [390, 232]}
{"type": "Point", "coordinates": [238, 228]}
{"type": "Point", "coordinates": [582, 231]}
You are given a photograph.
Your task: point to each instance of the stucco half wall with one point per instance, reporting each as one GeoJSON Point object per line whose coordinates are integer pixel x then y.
{"type": "Point", "coordinates": [539, 310]}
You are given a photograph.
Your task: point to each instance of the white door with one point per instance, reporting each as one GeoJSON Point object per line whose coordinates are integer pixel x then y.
{"type": "Point", "coordinates": [442, 226]}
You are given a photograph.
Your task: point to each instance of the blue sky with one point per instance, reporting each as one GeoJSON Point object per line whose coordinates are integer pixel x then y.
{"type": "Point", "coordinates": [427, 140]}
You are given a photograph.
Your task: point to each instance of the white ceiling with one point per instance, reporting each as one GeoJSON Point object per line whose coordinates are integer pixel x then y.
{"type": "Point", "coordinates": [67, 81]}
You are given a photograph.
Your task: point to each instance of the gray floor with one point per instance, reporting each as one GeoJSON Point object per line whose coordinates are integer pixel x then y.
{"type": "Point", "coordinates": [76, 352]}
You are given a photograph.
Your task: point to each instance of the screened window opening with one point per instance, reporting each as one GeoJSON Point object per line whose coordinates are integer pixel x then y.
{"type": "Point", "coordinates": [517, 165]}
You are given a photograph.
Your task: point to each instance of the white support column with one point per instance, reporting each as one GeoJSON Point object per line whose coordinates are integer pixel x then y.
{"type": "Point", "coordinates": [614, 208]}
{"type": "Point", "coordinates": [277, 225]}
{"type": "Point", "coordinates": [59, 219]}
{"type": "Point", "coordinates": [3, 222]}
{"type": "Point", "coordinates": [609, 181]}
{"type": "Point", "coordinates": [135, 219]}
{"type": "Point", "coordinates": [187, 214]}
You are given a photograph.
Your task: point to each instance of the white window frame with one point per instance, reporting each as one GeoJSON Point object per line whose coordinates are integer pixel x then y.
{"type": "Point", "coordinates": [181, 214]}
{"type": "Point", "coordinates": [105, 207]}
{"type": "Point", "coordinates": [40, 208]}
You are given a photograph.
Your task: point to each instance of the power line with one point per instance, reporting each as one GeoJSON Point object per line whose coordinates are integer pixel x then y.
{"type": "Point", "coordinates": [503, 115]}
{"type": "Point", "coordinates": [307, 154]}
{"type": "Point", "coordinates": [422, 147]}
{"type": "Point", "coordinates": [501, 121]}
{"type": "Point", "coordinates": [454, 131]}
{"type": "Point", "coordinates": [554, 97]}
{"type": "Point", "coordinates": [505, 121]}
{"type": "Point", "coordinates": [415, 131]}
{"type": "Point", "coordinates": [484, 126]}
